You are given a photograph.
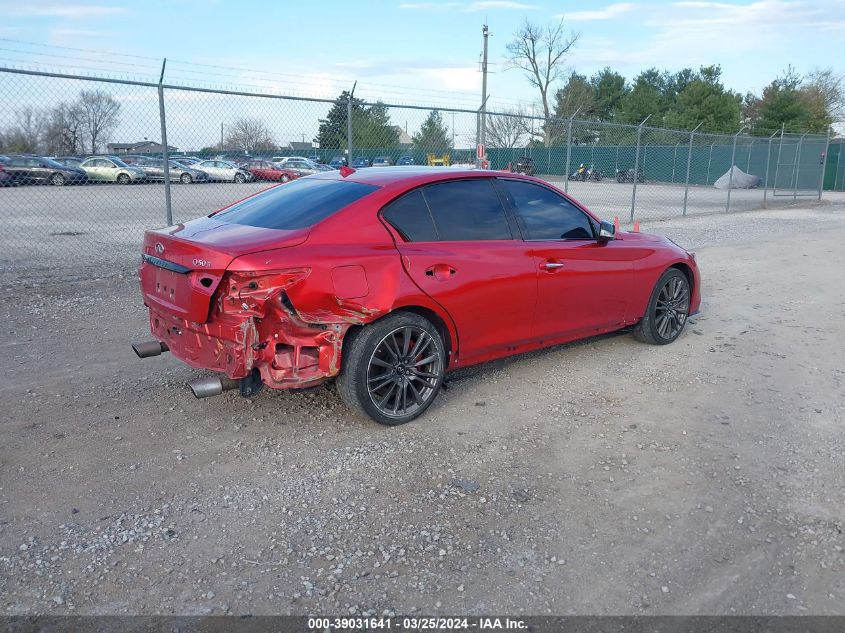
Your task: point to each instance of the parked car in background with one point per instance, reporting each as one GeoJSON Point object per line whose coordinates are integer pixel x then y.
{"type": "Point", "coordinates": [382, 161]}
{"type": "Point", "coordinates": [337, 162]}
{"type": "Point", "coordinates": [394, 267]}
{"type": "Point", "coordinates": [224, 171]}
{"type": "Point", "coordinates": [266, 170]}
{"type": "Point", "coordinates": [315, 159]}
{"type": "Point", "coordinates": [7, 178]}
{"type": "Point", "coordinates": [361, 161]}
{"type": "Point", "coordinates": [302, 165]}
{"type": "Point", "coordinates": [405, 159]}
{"type": "Point", "coordinates": [34, 170]}
{"type": "Point", "coordinates": [154, 169]}
{"type": "Point", "coordinates": [68, 161]}
{"type": "Point", "coordinates": [112, 169]}
{"type": "Point", "coordinates": [524, 165]}
{"type": "Point", "coordinates": [187, 160]}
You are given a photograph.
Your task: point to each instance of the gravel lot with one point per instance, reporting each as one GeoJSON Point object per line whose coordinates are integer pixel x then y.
{"type": "Point", "coordinates": [606, 477]}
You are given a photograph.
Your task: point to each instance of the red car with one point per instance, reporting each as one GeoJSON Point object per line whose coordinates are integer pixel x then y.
{"type": "Point", "coordinates": [386, 279]}
{"type": "Point", "coordinates": [265, 170]}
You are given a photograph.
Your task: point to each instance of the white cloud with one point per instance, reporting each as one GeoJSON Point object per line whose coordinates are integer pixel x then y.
{"type": "Point", "coordinates": [610, 12]}
{"type": "Point", "coordinates": [486, 5]}
{"type": "Point", "coordinates": [429, 6]}
{"type": "Point", "coordinates": [470, 7]}
{"type": "Point", "coordinates": [72, 11]}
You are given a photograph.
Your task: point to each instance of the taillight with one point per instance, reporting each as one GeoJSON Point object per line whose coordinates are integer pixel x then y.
{"type": "Point", "coordinates": [247, 293]}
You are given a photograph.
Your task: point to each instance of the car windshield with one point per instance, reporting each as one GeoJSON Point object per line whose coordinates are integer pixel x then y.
{"type": "Point", "coordinates": [297, 205]}
{"type": "Point", "coordinates": [118, 162]}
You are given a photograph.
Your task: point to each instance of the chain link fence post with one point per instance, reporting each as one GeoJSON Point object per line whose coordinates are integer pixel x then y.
{"type": "Point", "coordinates": [568, 149]}
{"type": "Point", "coordinates": [709, 160]}
{"type": "Point", "coordinates": [349, 126]}
{"type": "Point", "coordinates": [824, 162]}
{"type": "Point", "coordinates": [766, 177]}
{"type": "Point", "coordinates": [689, 166]}
{"type": "Point", "coordinates": [731, 169]}
{"type": "Point", "coordinates": [797, 169]}
{"type": "Point", "coordinates": [164, 151]}
{"type": "Point", "coordinates": [637, 166]}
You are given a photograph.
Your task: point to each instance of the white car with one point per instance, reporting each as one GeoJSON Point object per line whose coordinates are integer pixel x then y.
{"type": "Point", "coordinates": [223, 170]}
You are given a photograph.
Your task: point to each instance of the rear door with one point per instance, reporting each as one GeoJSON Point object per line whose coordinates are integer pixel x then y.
{"type": "Point", "coordinates": [583, 284]}
{"type": "Point", "coordinates": [460, 248]}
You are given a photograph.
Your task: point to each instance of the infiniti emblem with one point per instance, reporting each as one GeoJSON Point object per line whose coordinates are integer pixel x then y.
{"type": "Point", "coordinates": [159, 248]}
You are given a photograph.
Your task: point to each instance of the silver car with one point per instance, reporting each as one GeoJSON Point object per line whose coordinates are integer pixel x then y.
{"type": "Point", "coordinates": [223, 170]}
{"type": "Point", "coordinates": [111, 169]}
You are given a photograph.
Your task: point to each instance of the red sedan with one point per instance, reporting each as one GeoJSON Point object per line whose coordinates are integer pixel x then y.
{"type": "Point", "coordinates": [265, 170]}
{"type": "Point", "coordinates": [387, 279]}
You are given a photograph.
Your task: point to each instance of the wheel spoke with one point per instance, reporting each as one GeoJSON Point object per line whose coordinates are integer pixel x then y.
{"type": "Point", "coordinates": [386, 396]}
{"type": "Point", "coordinates": [381, 363]}
{"type": "Point", "coordinates": [377, 382]}
{"type": "Point", "coordinates": [422, 342]}
{"type": "Point", "coordinates": [427, 359]}
{"type": "Point", "coordinates": [406, 341]}
{"type": "Point", "coordinates": [423, 374]}
{"type": "Point", "coordinates": [417, 395]}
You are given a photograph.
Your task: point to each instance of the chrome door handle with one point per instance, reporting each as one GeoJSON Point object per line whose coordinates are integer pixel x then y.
{"type": "Point", "coordinates": [551, 265]}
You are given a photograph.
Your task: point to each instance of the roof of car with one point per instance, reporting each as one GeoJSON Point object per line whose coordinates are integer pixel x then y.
{"type": "Point", "coordinates": [415, 175]}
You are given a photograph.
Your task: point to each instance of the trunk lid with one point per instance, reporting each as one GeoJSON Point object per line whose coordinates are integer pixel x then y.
{"type": "Point", "coordinates": [183, 265]}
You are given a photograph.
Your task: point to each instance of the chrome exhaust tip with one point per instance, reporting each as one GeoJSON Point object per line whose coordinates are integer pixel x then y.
{"type": "Point", "coordinates": [211, 386]}
{"type": "Point", "coordinates": [145, 349]}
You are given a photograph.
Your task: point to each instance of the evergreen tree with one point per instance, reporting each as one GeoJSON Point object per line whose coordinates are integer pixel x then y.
{"type": "Point", "coordinates": [433, 133]}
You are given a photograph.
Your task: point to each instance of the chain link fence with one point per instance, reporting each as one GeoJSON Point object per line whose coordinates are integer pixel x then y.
{"type": "Point", "coordinates": [93, 162]}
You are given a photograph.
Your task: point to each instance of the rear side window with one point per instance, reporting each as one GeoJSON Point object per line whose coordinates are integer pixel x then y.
{"type": "Point", "coordinates": [546, 215]}
{"type": "Point", "coordinates": [409, 215]}
{"type": "Point", "coordinates": [296, 205]}
{"type": "Point", "coordinates": [467, 210]}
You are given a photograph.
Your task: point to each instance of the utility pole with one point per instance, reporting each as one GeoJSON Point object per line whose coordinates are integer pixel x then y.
{"type": "Point", "coordinates": [483, 132]}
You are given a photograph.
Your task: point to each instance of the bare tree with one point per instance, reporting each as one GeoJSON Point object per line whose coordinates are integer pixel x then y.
{"type": "Point", "coordinates": [829, 88]}
{"type": "Point", "coordinates": [248, 135]}
{"type": "Point", "coordinates": [63, 129]}
{"type": "Point", "coordinates": [540, 52]}
{"type": "Point", "coordinates": [26, 134]}
{"type": "Point", "coordinates": [506, 130]}
{"type": "Point", "coordinates": [100, 115]}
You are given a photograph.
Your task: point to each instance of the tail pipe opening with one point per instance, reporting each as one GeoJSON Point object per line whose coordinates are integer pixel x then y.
{"type": "Point", "coordinates": [212, 386]}
{"type": "Point", "coordinates": [145, 349]}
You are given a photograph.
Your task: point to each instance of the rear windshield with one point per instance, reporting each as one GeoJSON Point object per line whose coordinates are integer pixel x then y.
{"type": "Point", "coordinates": [296, 205]}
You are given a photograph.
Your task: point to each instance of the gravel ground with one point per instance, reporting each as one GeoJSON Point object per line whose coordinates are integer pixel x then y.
{"type": "Point", "coordinates": [605, 477]}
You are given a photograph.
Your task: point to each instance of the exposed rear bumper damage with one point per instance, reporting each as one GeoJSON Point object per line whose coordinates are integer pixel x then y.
{"type": "Point", "coordinates": [286, 352]}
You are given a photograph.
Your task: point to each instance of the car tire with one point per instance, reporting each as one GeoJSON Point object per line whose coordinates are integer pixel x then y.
{"type": "Point", "coordinates": [668, 309]}
{"type": "Point", "coordinates": [240, 179]}
{"type": "Point", "coordinates": [382, 369]}
{"type": "Point", "coordinates": [57, 180]}
{"type": "Point", "coordinates": [186, 179]}
{"type": "Point", "coordinates": [123, 179]}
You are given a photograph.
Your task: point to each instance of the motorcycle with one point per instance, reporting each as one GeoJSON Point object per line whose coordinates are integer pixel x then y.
{"type": "Point", "coordinates": [627, 175]}
{"type": "Point", "coordinates": [584, 173]}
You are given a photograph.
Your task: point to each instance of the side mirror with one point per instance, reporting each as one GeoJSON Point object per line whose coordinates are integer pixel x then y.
{"type": "Point", "coordinates": [607, 232]}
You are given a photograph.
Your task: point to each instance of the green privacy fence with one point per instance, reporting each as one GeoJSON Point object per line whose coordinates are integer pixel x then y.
{"type": "Point", "coordinates": [834, 176]}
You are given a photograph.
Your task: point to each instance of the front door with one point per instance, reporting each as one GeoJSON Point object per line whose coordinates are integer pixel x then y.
{"type": "Point", "coordinates": [460, 248]}
{"type": "Point", "coordinates": [583, 283]}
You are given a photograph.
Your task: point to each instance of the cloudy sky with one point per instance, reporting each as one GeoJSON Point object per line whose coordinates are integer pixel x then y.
{"type": "Point", "coordinates": [412, 50]}
{"type": "Point", "coordinates": [404, 51]}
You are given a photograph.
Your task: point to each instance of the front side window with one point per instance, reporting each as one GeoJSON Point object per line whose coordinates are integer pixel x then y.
{"type": "Point", "coordinates": [545, 215]}
{"type": "Point", "coordinates": [466, 210]}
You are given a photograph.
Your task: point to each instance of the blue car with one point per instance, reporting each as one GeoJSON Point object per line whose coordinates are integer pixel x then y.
{"type": "Point", "coordinates": [361, 161]}
{"type": "Point", "coordinates": [337, 162]}
{"type": "Point", "coordinates": [405, 160]}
